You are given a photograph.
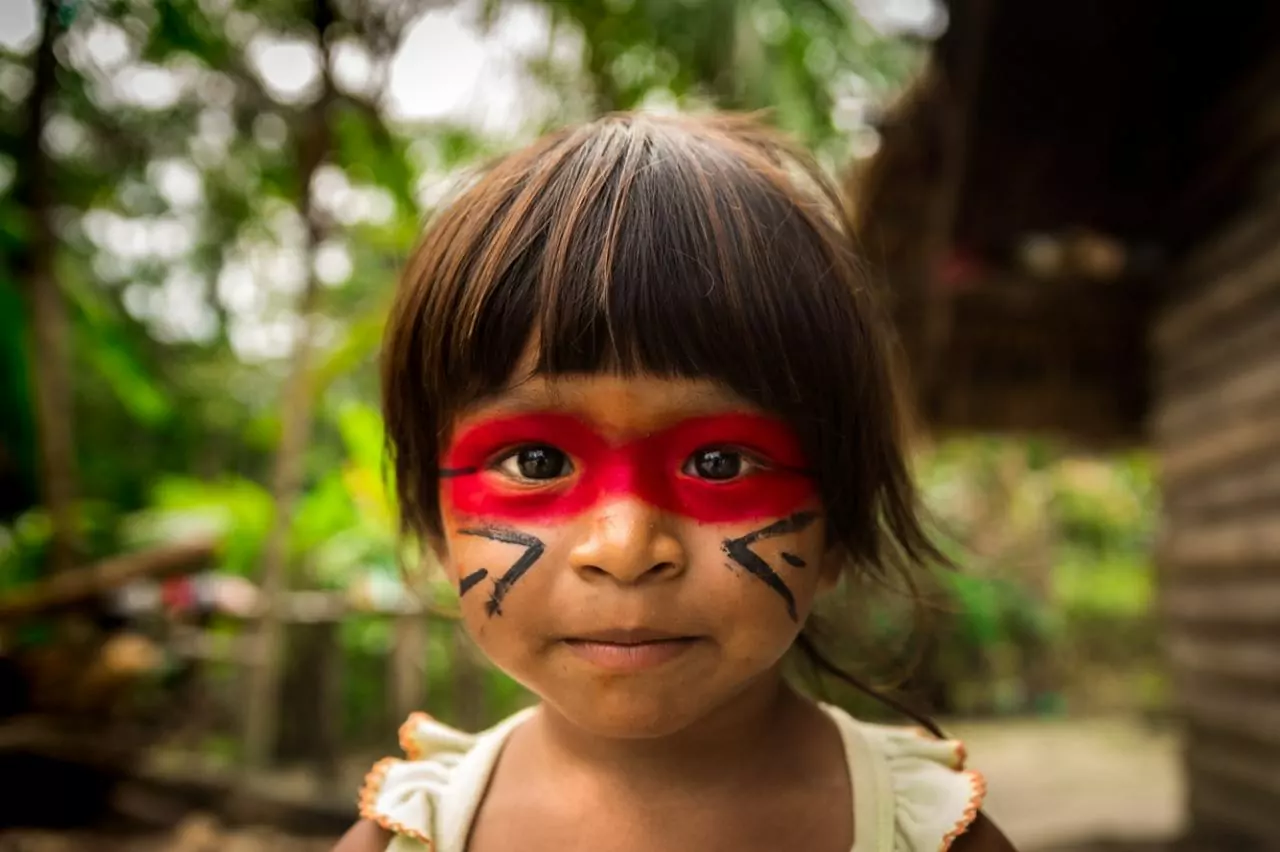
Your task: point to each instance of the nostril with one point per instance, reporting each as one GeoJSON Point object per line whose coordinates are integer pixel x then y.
{"type": "Point", "coordinates": [660, 571]}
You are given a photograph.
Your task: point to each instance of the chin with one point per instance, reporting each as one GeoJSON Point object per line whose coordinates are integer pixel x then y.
{"type": "Point", "coordinates": [637, 705]}
{"type": "Point", "coordinates": [633, 713]}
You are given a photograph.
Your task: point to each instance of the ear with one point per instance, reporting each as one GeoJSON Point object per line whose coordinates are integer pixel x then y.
{"type": "Point", "coordinates": [416, 567]}
{"type": "Point", "coordinates": [436, 549]}
{"type": "Point", "coordinates": [832, 566]}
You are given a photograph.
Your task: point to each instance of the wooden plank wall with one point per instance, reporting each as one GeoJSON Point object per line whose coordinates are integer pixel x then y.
{"type": "Point", "coordinates": [1065, 359]}
{"type": "Point", "coordinates": [1216, 426]}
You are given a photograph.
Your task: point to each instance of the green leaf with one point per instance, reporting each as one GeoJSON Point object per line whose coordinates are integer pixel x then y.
{"type": "Point", "coordinates": [127, 379]}
{"type": "Point", "coordinates": [240, 509]}
{"type": "Point", "coordinates": [105, 340]}
{"type": "Point", "coordinates": [358, 344]}
{"type": "Point", "coordinates": [323, 512]}
{"type": "Point", "coordinates": [362, 433]}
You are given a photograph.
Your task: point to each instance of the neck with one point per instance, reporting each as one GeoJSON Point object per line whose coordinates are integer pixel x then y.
{"type": "Point", "coordinates": [748, 733]}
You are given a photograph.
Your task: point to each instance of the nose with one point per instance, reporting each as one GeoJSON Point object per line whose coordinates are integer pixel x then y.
{"type": "Point", "coordinates": [627, 541]}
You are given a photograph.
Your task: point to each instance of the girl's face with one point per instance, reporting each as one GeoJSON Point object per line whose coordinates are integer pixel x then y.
{"type": "Point", "coordinates": [636, 551]}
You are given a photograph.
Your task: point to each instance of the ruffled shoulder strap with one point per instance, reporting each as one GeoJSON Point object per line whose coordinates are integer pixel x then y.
{"type": "Point", "coordinates": [936, 798]}
{"type": "Point", "coordinates": [929, 797]}
{"type": "Point", "coordinates": [428, 798]}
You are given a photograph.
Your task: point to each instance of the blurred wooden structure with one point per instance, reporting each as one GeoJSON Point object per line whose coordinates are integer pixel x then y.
{"type": "Point", "coordinates": [1078, 213]}
{"type": "Point", "coordinates": [144, 700]}
{"type": "Point", "coordinates": [68, 671]}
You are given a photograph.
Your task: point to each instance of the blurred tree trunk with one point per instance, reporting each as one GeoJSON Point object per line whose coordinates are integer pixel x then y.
{"type": "Point", "coordinates": [468, 683]}
{"type": "Point", "coordinates": [314, 146]}
{"type": "Point", "coordinates": [927, 684]}
{"type": "Point", "coordinates": [48, 350]}
{"type": "Point", "coordinates": [407, 686]}
{"type": "Point", "coordinates": [1041, 658]}
{"type": "Point", "coordinates": [607, 96]}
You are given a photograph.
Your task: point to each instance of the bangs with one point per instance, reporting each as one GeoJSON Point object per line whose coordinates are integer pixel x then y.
{"type": "Point", "coordinates": [639, 247]}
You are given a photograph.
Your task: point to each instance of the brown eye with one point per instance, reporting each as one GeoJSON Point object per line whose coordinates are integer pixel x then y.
{"type": "Point", "coordinates": [537, 463]}
{"type": "Point", "coordinates": [716, 464]}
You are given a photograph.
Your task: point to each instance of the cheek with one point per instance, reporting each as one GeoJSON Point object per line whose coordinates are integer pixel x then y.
{"type": "Point", "coordinates": [475, 569]}
{"type": "Point", "coordinates": [760, 579]}
{"type": "Point", "coordinates": [804, 558]}
{"type": "Point", "coordinates": [480, 495]}
{"type": "Point", "coordinates": [764, 495]}
{"type": "Point", "coordinates": [488, 561]}
{"type": "Point", "coordinates": [473, 563]}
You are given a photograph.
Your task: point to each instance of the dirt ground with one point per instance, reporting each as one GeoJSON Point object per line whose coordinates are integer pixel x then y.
{"type": "Point", "coordinates": [1072, 786]}
{"type": "Point", "coordinates": [198, 833]}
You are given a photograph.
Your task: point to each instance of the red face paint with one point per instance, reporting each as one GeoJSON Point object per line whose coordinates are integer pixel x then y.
{"type": "Point", "coordinates": [650, 468]}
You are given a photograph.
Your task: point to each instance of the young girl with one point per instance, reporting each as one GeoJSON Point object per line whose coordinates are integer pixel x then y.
{"type": "Point", "coordinates": [640, 406]}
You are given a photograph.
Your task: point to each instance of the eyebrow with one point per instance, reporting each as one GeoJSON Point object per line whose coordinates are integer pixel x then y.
{"type": "Point", "coordinates": [526, 394]}
{"type": "Point", "coordinates": [538, 392]}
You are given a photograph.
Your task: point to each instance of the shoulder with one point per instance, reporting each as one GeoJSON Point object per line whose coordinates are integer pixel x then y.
{"type": "Point", "coordinates": [926, 798]}
{"type": "Point", "coordinates": [425, 798]}
{"type": "Point", "coordinates": [936, 796]}
{"type": "Point", "coordinates": [982, 836]}
{"type": "Point", "coordinates": [365, 836]}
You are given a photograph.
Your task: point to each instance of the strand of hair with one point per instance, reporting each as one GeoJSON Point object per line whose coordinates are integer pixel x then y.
{"type": "Point", "coordinates": [822, 662]}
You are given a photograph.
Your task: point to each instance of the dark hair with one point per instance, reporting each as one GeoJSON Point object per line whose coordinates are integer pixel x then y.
{"type": "Point", "coordinates": [701, 247]}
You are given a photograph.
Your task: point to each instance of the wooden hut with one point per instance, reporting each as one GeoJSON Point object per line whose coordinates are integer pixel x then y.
{"type": "Point", "coordinates": [1078, 212]}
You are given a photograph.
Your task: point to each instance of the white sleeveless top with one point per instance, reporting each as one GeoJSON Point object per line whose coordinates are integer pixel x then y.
{"type": "Point", "coordinates": [911, 792]}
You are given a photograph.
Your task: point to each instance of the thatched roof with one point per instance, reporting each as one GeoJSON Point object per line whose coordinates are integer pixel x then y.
{"type": "Point", "coordinates": [1103, 113]}
{"type": "Point", "coordinates": [1034, 190]}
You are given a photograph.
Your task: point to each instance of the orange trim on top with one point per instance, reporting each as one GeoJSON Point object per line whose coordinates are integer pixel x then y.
{"type": "Point", "coordinates": [958, 759]}
{"type": "Point", "coordinates": [368, 795]}
{"type": "Point", "coordinates": [978, 787]}
{"type": "Point", "coordinates": [405, 735]}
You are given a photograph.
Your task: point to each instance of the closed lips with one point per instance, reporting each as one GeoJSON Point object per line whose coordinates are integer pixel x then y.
{"type": "Point", "coordinates": [629, 636]}
{"type": "Point", "coordinates": [621, 651]}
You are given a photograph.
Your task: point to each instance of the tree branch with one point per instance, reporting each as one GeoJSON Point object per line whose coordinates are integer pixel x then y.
{"type": "Point", "coordinates": [48, 348]}
{"type": "Point", "coordinates": [262, 701]}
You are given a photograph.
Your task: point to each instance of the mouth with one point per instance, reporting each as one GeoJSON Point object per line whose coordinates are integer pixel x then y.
{"type": "Point", "coordinates": [628, 636]}
{"type": "Point", "coordinates": [625, 650]}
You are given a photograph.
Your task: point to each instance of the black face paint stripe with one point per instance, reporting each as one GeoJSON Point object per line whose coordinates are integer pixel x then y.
{"type": "Point", "coordinates": [794, 523]}
{"type": "Point", "coordinates": [533, 551]}
{"type": "Point", "coordinates": [793, 560]}
{"type": "Point", "coordinates": [451, 472]}
{"type": "Point", "coordinates": [469, 581]}
{"type": "Point", "coordinates": [739, 550]}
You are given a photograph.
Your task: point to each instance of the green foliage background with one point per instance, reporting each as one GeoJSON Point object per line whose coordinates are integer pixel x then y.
{"type": "Point", "coordinates": [176, 426]}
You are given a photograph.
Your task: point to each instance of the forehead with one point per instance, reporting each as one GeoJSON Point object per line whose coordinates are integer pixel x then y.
{"type": "Point", "coordinates": [614, 404]}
